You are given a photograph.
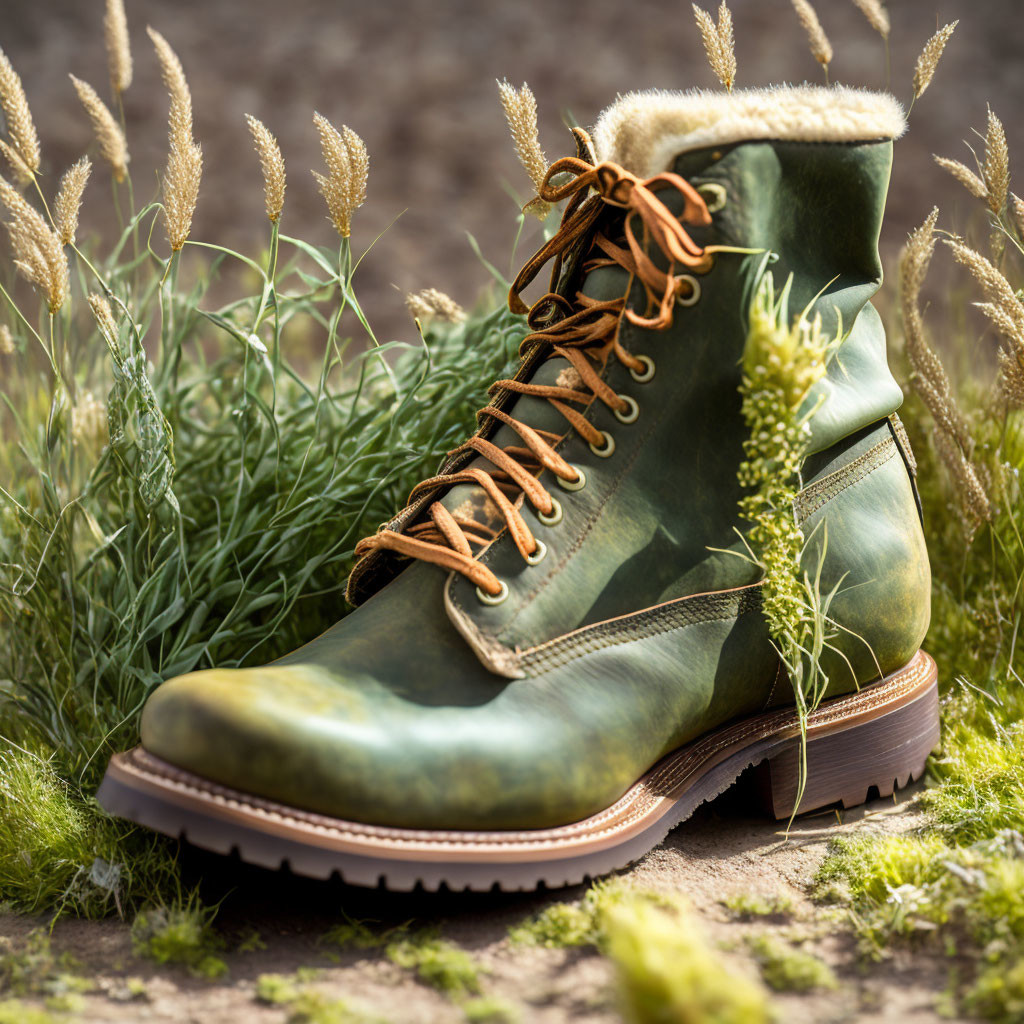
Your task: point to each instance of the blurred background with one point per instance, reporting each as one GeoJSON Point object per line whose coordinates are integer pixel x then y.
{"type": "Point", "coordinates": [416, 79]}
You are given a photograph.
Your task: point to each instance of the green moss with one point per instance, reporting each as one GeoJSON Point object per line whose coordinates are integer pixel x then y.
{"type": "Point", "coordinates": [13, 1011]}
{"type": "Point", "coordinates": [998, 993]}
{"type": "Point", "coordinates": [275, 989]}
{"type": "Point", "coordinates": [439, 964]}
{"type": "Point", "coordinates": [564, 925]}
{"type": "Point", "coordinates": [58, 849]}
{"type": "Point", "coordinates": [746, 906]}
{"type": "Point", "coordinates": [354, 934]}
{"type": "Point", "coordinates": [180, 933]}
{"type": "Point", "coordinates": [669, 973]}
{"type": "Point", "coordinates": [33, 969]}
{"type": "Point", "coordinates": [787, 969]}
{"type": "Point", "coordinates": [491, 1010]}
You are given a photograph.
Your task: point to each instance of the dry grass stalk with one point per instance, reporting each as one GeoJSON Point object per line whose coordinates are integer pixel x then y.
{"type": "Point", "coordinates": [924, 70]}
{"type": "Point", "coordinates": [876, 14]}
{"type": "Point", "coordinates": [929, 380]}
{"type": "Point", "coordinates": [520, 106]}
{"type": "Point", "coordinates": [965, 176]}
{"type": "Point", "coordinates": [718, 43]}
{"type": "Point", "coordinates": [348, 166]}
{"type": "Point", "coordinates": [69, 199]}
{"type": "Point", "coordinates": [821, 48]}
{"type": "Point", "coordinates": [21, 128]}
{"type": "Point", "coordinates": [6, 341]}
{"type": "Point", "coordinates": [109, 135]}
{"type": "Point", "coordinates": [20, 168]}
{"type": "Point", "coordinates": [272, 166]}
{"type": "Point", "coordinates": [996, 167]}
{"type": "Point", "coordinates": [38, 253]}
{"type": "Point", "coordinates": [431, 304]}
{"type": "Point", "coordinates": [185, 159]}
{"type": "Point", "coordinates": [119, 53]}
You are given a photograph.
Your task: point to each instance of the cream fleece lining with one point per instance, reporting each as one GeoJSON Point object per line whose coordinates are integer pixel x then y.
{"type": "Point", "coordinates": [645, 131]}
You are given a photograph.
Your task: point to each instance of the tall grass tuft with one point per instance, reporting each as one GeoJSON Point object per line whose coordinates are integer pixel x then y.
{"type": "Point", "coordinates": [182, 482]}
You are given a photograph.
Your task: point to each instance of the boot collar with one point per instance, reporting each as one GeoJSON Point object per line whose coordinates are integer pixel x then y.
{"type": "Point", "coordinates": [645, 131]}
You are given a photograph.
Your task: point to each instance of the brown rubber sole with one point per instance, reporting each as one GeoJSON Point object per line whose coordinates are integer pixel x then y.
{"type": "Point", "coordinates": [878, 737]}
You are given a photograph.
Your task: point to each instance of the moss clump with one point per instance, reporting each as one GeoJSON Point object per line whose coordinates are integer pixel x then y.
{"type": "Point", "coordinates": [564, 925]}
{"type": "Point", "coordinates": [998, 993]}
{"type": "Point", "coordinates": [13, 1011]}
{"type": "Point", "coordinates": [747, 906]}
{"type": "Point", "coordinates": [491, 1010]}
{"type": "Point", "coordinates": [667, 970]}
{"type": "Point", "coordinates": [275, 989]}
{"type": "Point", "coordinates": [312, 1007]}
{"type": "Point", "coordinates": [786, 969]}
{"type": "Point", "coordinates": [355, 934]}
{"type": "Point", "coordinates": [180, 933]}
{"type": "Point", "coordinates": [35, 970]}
{"type": "Point", "coordinates": [58, 849]}
{"type": "Point", "coordinates": [439, 964]}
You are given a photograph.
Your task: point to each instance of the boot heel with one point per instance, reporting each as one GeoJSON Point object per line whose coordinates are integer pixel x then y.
{"type": "Point", "coordinates": [884, 752]}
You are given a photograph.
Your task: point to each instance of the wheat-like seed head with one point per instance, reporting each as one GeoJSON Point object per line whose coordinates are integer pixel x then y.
{"type": "Point", "coordinates": [996, 167]}
{"type": "Point", "coordinates": [109, 135]}
{"type": "Point", "coordinates": [88, 420]}
{"type": "Point", "coordinates": [185, 159]}
{"type": "Point", "coordinates": [876, 14]}
{"type": "Point", "coordinates": [20, 168]}
{"type": "Point", "coordinates": [1017, 205]}
{"type": "Point", "coordinates": [964, 175]}
{"type": "Point", "coordinates": [1012, 378]}
{"type": "Point", "coordinates": [348, 166]}
{"type": "Point", "coordinates": [718, 42]}
{"type": "Point", "coordinates": [821, 48]}
{"type": "Point", "coordinates": [104, 317]}
{"type": "Point", "coordinates": [431, 303]}
{"type": "Point", "coordinates": [997, 289]}
{"type": "Point", "coordinates": [20, 127]}
{"type": "Point", "coordinates": [272, 165]}
{"type": "Point", "coordinates": [69, 199]}
{"type": "Point", "coordinates": [924, 70]}
{"type": "Point", "coordinates": [969, 482]}
{"type": "Point", "coordinates": [520, 106]}
{"type": "Point", "coordinates": [119, 53]}
{"type": "Point", "coordinates": [38, 253]}
{"type": "Point", "coordinates": [6, 341]}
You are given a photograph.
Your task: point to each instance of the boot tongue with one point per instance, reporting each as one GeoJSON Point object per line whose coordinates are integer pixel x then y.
{"type": "Point", "coordinates": [470, 500]}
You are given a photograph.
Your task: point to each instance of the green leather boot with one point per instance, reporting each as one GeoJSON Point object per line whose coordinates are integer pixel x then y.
{"type": "Point", "coordinates": [552, 662]}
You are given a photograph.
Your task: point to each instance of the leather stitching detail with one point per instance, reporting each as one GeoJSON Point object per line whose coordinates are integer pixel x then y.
{"type": "Point", "coordinates": [818, 494]}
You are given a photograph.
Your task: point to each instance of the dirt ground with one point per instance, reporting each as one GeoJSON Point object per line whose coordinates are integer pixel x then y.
{"type": "Point", "coordinates": [721, 852]}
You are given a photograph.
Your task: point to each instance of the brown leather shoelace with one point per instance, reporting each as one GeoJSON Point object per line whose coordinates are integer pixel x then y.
{"type": "Point", "coordinates": [584, 333]}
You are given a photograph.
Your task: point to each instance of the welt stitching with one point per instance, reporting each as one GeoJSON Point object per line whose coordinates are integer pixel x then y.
{"type": "Point", "coordinates": [815, 495]}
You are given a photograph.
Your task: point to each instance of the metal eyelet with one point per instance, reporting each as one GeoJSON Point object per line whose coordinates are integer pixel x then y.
{"type": "Point", "coordinates": [554, 517]}
{"type": "Point", "coordinates": [631, 413]}
{"type": "Point", "coordinates": [714, 195]}
{"type": "Point", "coordinates": [609, 446]}
{"type": "Point", "coordinates": [538, 554]}
{"type": "Point", "coordinates": [574, 485]}
{"type": "Point", "coordinates": [644, 375]}
{"type": "Point", "coordinates": [484, 598]}
{"type": "Point", "coordinates": [694, 297]}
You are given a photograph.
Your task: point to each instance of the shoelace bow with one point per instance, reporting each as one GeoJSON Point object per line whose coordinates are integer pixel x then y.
{"type": "Point", "coordinates": [583, 333]}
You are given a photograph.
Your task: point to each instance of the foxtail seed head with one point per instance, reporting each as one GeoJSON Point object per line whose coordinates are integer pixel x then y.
{"type": "Point", "coordinates": [38, 253]}
{"type": "Point", "coordinates": [119, 54]}
{"type": "Point", "coordinates": [430, 303]}
{"type": "Point", "coordinates": [520, 106]}
{"type": "Point", "coordinates": [821, 48]}
{"type": "Point", "coordinates": [348, 166]}
{"type": "Point", "coordinates": [924, 70]}
{"type": "Point", "coordinates": [109, 135]}
{"type": "Point", "coordinates": [718, 42]}
{"type": "Point", "coordinates": [272, 165]}
{"type": "Point", "coordinates": [878, 17]}
{"type": "Point", "coordinates": [69, 199]}
{"type": "Point", "coordinates": [21, 128]}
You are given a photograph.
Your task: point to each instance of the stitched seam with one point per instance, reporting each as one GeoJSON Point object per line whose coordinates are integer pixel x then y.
{"type": "Point", "coordinates": [818, 494]}
{"type": "Point", "coordinates": [643, 625]}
